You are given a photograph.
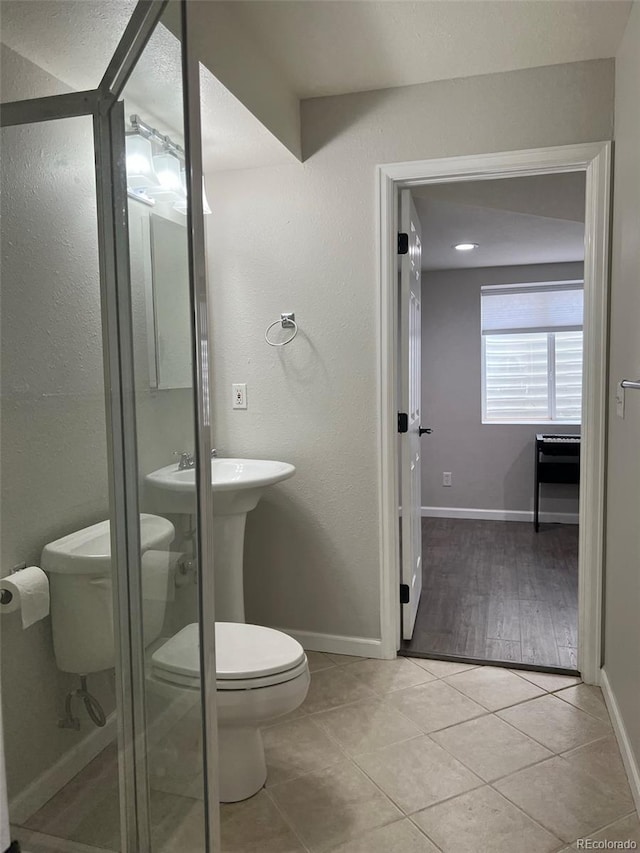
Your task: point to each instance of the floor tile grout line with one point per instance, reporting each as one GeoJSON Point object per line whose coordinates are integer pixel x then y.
{"type": "Point", "coordinates": [367, 751]}
{"type": "Point", "coordinates": [568, 752]}
{"type": "Point", "coordinates": [569, 843]}
{"type": "Point", "coordinates": [423, 831]}
{"type": "Point", "coordinates": [506, 799]}
{"type": "Point", "coordinates": [366, 832]}
{"type": "Point", "coordinates": [524, 811]}
{"type": "Point", "coordinates": [398, 806]}
{"type": "Point", "coordinates": [506, 775]}
{"type": "Point", "coordinates": [584, 711]}
{"type": "Point", "coordinates": [539, 742]}
{"type": "Point", "coordinates": [287, 822]}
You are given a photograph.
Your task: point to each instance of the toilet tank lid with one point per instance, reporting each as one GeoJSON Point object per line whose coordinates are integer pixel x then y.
{"type": "Point", "coordinates": [86, 551]}
{"type": "Point", "coordinates": [243, 651]}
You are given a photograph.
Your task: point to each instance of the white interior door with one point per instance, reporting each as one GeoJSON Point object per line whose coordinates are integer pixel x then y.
{"type": "Point", "coordinates": [410, 393]}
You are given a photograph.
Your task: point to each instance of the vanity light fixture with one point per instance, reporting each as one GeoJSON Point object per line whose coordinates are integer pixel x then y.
{"type": "Point", "coordinates": [466, 247]}
{"type": "Point", "coordinates": [157, 176]}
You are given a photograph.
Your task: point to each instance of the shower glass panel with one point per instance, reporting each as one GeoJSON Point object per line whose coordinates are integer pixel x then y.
{"type": "Point", "coordinates": [158, 241]}
{"type": "Point", "coordinates": [61, 751]}
{"type": "Point", "coordinates": [103, 699]}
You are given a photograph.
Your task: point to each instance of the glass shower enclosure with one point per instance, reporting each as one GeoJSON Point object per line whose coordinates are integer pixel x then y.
{"type": "Point", "coordinates": [104, 375]}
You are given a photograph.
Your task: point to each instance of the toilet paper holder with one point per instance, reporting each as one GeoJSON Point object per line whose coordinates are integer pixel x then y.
{"type": "Point", "coordinates": [6, 596]}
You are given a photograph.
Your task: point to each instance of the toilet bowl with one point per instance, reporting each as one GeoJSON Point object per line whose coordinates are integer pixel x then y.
{"type": "Point", "coordinates": [261, 674]}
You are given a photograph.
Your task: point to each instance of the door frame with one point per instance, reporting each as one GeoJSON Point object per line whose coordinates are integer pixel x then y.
{"type": "Point", "coordinates": [594, 159]}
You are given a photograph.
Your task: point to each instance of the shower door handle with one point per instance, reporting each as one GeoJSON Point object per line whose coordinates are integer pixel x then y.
{"type": "Point", "coordinates": [423, 430]}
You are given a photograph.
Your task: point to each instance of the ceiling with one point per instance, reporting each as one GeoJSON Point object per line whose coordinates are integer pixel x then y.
{"type": "Point", "coordinates": [331, 48]}
{"type": "Point", "coordinates": [515, 221]}
{"type": "Point", "coordinates": [321, 48]}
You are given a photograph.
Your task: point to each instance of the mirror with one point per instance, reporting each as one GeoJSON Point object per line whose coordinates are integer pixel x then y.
{"type": "Point", "coordinates": [159, 260]}
{"type": "Point", "coordinates": [170, 291]}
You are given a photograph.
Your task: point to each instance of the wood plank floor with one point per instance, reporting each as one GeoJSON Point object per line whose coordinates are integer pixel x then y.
{"type": "Point", "coordinates": [496, 590]}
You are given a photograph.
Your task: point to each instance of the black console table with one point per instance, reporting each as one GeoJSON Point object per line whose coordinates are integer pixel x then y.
{"type": "Point", "coordinates": [555, 470]}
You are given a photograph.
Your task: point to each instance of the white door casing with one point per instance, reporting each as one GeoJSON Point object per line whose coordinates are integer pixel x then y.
{"type": "Point", "coordinates": [410, 394]}
{"type": "Point", "coordinates": [594, 159]}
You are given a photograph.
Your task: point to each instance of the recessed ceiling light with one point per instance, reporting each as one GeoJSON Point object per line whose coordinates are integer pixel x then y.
{"type": "Point", "coordinates": [465, 247]}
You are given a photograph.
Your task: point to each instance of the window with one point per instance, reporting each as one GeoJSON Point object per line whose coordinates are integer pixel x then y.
{"type": "Point", "coordinates": [532, 352]}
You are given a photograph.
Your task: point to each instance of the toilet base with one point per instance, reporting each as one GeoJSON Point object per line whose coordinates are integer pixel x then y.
{"type": "Point", "coordinates": [243, 770]}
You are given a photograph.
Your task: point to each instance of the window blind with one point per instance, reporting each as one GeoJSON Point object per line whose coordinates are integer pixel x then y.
{"type": "Point", "coordinates": [516, 377]}
{"type": "Point", "coordinates": [555, 306]}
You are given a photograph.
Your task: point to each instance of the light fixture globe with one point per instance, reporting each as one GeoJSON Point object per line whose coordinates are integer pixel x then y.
{"type": "Point", "coordinates": [140, 171]}
{"type": "Point", "coordinates": [167, 168]}
{"type": "Point", "coordinates": [466, 247]}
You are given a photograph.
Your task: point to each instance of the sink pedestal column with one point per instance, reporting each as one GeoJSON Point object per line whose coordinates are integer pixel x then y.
{"type": "Point", "coordinates": [228, 570]}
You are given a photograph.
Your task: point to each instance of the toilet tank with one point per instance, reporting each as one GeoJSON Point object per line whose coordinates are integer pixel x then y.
{"type": "Point", "coordinates": [79, 568]}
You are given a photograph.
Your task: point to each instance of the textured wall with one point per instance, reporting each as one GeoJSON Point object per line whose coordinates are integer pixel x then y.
{"type": "Point", "coordinates": [622, 592]}
{"type": "Point", "coordinates": [54, 474]}
{"type": "Point", "coordinates": [491, 464]}
{"type": "Point", "coordinates": [302, 238]}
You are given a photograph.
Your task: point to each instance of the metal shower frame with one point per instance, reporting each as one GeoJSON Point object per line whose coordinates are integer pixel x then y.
{"type": "Point", "coordinates": [107, 112]}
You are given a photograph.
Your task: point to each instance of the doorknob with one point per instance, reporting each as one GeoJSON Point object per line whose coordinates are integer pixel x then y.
{"type": "Point", "coordinates": [422, 430]}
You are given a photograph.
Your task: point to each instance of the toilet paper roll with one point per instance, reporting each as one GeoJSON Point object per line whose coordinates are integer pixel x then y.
{"type": "Point", "coordinates": [29, 590]}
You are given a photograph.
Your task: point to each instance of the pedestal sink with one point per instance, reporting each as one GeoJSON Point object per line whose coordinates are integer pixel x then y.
{"type": "Point", "coordinates": [237, 485]}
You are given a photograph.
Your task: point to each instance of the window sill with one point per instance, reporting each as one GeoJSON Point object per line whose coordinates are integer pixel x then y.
{"type": "Point", "coordinates": [534, 423]}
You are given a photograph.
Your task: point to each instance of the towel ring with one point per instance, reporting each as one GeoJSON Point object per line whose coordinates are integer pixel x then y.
{"type": "Point", "coordinates": [286, 321]}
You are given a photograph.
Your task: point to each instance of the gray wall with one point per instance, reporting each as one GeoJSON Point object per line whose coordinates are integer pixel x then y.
{"type": "Point", "coordinates": [622, 592]}
{"type": "Point", "coordinates": [54, 475]}
{"type": "Point", "coordinates": [491, 464]}
{"type": "Point", "coordinates": [302, 238]}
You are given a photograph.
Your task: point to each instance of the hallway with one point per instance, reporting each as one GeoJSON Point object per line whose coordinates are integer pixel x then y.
{"type": "Point", "coordinates": [498, 591]}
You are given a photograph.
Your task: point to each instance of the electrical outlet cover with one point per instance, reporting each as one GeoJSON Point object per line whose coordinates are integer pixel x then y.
{"type": "Point", "coordinates": [239, 395]}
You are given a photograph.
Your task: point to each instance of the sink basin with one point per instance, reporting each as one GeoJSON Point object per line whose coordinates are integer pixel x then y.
{"type": "Point", "coordinates": [237, 486]}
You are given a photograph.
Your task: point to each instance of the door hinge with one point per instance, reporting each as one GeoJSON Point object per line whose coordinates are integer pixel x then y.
{"type": "Point", "coordinates": [403, 243]}
{"type": "Point", "coordinates": [403, 422]}
{"type": "Point", "coordinates": [404, 593]}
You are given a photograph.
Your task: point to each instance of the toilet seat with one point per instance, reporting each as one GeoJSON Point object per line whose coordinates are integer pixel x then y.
{"type": "Point", "coordinates": [247, 657]}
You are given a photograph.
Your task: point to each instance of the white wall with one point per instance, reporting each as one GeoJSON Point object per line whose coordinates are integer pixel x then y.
{"type": "Point", "coordinates": [223, 44]}
{"type": "Point", "coordinates": [54, 474]}
{"type": "Point", "coordinates": [622, 592]}
{"type": "Point", "coordinates": [302, 238]}
{"type": "Point", "coordinates": [492, 465]}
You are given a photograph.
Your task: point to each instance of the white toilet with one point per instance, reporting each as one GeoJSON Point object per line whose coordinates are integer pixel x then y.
{"type": "Point", "coordinates": [261, 674]}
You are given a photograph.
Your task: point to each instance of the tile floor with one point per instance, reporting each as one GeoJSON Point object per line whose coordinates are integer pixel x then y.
{"type": "Point", "coordinates": [405, 756]}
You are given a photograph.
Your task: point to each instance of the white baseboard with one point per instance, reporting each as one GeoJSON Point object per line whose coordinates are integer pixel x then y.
{"type": "Point", "coordinates": [75, 759]}
{"type": "Point", "coordinates": [498, 514]}
{"type": "Point", "coordinates": [628, 756]}
{"type": "Point", "coordinates": [365, 647]}
{"type": "Point", "coordinates": [48, 784]}
{"type": "Point", "coordinates": [41, 842]}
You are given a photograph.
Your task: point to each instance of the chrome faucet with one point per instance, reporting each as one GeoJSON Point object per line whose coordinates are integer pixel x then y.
{"type": "Point", "coordinates": [185, 460]}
